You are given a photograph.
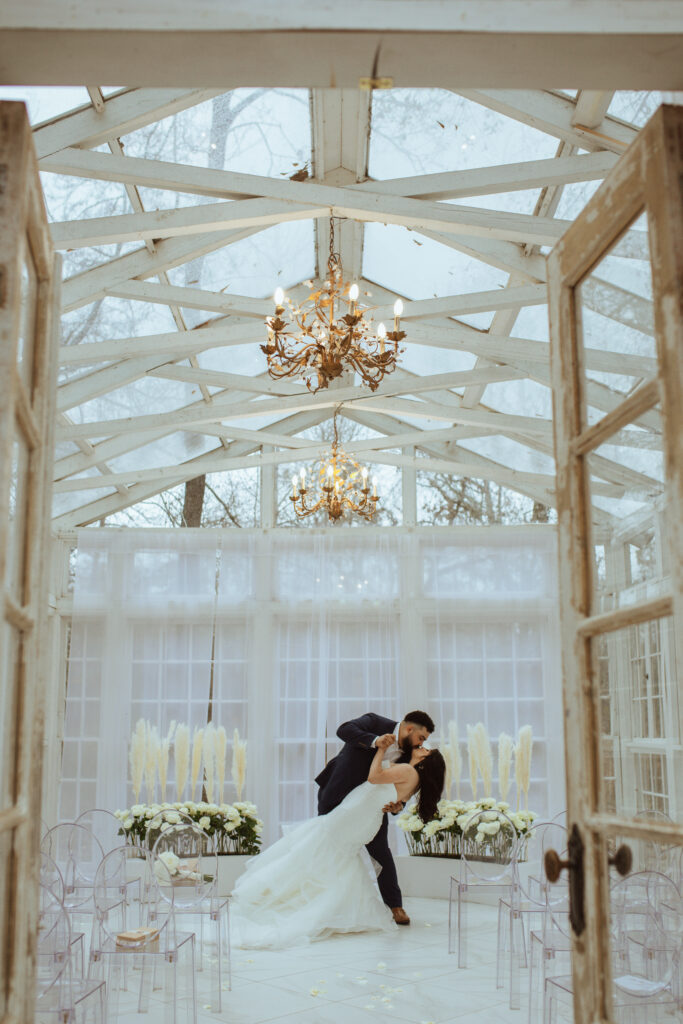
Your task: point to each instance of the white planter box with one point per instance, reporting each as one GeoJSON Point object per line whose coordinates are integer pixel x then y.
{"type": "Point", "coordinates": [429, 877]}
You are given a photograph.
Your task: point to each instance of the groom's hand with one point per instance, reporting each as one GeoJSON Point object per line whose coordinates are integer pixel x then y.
{"type": "Point", "coordinates": [383, 742]}
{"type": "Point", "coordinates": [393, 808]}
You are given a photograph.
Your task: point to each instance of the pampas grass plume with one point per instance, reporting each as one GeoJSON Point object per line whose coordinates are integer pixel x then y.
{"type": "Point", "coordinates": [523, 752]}
{"type": "Point", "coordinates": [197, 742]}
{"type": "Point", "coordinates": [448, 781]}
{"type": "Point", "coordinates": [472, 760]}
{"type": "Point", "coordinates": [151, 760]}
{"type": "Point", "coordinates": [181, 750]}
{"type": "Point", "coordinates": [164, 752]}
{"type": "Point", "coordinates": [239, 762]}
{"type": "Point", "coordinates": [484, 757]}
{"type": "Point", "coordinates": [504, 764]}
{"type": "Point", "coordinates": [137, 758]}
{"type": "Point", "coordinates": [221, 747]}
{"type": "Point", "coordinates": [209, 760]}
{"type": "Point", "coordinates": [454, 756]}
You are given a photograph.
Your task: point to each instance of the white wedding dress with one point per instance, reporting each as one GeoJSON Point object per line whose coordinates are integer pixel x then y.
{"type": "Point", "coordinates": [315, 881]}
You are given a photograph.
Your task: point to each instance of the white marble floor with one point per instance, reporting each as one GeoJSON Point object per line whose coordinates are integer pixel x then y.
{"type": "Point", "coordinates": [406, 976]}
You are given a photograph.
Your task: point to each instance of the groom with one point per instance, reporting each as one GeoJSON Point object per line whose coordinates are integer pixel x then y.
{"type": "Point", "coordinates": [362, 736]}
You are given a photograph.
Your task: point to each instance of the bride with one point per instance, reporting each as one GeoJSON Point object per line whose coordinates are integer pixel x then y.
{"type": "Point", "coordinates": [315, 882]}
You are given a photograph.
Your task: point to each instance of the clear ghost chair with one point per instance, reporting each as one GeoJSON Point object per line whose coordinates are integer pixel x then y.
{"type": "Point", "coordinates": [528, 903]}
{"type": "Point", "coordinates": [646, 982]}
{"type": "Point", "coordinates": [148, 946]}
{"type": "Point", "coordinates": [51, 879]}
{"type": "Point", "coordinates": [104, 825]}
{"type": "Point", "coordinates": [58, 994]}
{"type": "Point", "coordinates": [190, 853]}
{"type": "Point", "coordinates": [479, 871]}
{"type": "Point", "coordinates": [549, 948]}
{"type": "Point", "coordinates": [77, 853]}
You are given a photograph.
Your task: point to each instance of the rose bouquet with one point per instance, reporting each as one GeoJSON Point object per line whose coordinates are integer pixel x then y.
{"type": "Point", "coordinates": [170, 868]}
{"type": "Point", "coordinates": [234, 828]}
{"type": "Point", "coordinates": [475, 827]}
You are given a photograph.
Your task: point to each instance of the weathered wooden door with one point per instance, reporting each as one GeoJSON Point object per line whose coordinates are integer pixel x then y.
{"type": "Point", "coordinates": [28, 353]}
{"type": "Point", "coordinates": [621, 556]}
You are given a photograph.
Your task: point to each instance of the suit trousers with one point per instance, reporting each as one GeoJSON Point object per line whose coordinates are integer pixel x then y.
{"type": "Point", "coordinates": [387, 880]}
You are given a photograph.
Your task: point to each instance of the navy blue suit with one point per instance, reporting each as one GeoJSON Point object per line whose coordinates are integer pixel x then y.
{"type": "Point", "coordinates": [350, 768]}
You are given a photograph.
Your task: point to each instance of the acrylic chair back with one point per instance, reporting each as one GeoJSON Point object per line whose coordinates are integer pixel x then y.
{"type": "Point", "coordinates": [647, 930]}
{"type": "Point", "coordinates": [51, 876]}
{"type": "Point", "coordinates": [104, 825]}
{"type": "Point", "coordinates": [53, 952]}
{"type": "Point", "coordinates": [184, 866]}
{"type": "Point", "coordinates": [78, 854]}
{"type": "Point", "coordinates": [489, 848]}
{"type": "Point", "coordinates": [110, 882]}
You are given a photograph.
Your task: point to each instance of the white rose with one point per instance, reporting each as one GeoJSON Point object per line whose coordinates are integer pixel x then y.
{"type": "Point", "coordinates": [229, 826]}
{"type": "Point", "coordinates": [128, 823]}
{"type": "Point", "coordinates": [204, 822]}
{"type": "Point", "coordinates": [167, 866]}
{"type": "Point", "coordinates": [172, 817]}
{"type": "Point", "coordinates": [149, 813]}
{"type": "Point", "coordinates": [120, 815]}
{"type": "Point", "coordinates": [502, 806]}
{"type": "Point", "coordinates": [137, 809]}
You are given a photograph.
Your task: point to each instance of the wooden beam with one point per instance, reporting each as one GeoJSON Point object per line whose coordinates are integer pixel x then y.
{"type": "Point", "coordinates": [206, 181]}
{"type": "Point", "coordinates": [591, 108]}
{"type": "Point", "coordinates": [123, 113]}
{"type": "Point", "coordinates": [552, 113]}
{"type": "Point", "coordinates": [192, 298]}
{"type": "Point", "coordinates": [301, 44]}
{"type": "Point", "coordinates": [169, 345]}
{"type": "Point", "coordinates": [472, 302]}
{"type": "Point", "coordinates": [105, 506]}
{"type": "Point", "coordinates": [92, 284]}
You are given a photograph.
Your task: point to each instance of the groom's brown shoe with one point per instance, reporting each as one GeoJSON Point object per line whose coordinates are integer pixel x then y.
{"type": "Point", "coordinates": [400, 916]}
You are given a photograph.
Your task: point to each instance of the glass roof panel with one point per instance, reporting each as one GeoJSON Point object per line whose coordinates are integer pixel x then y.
{"type": "Point", "coordinates": [46, 102]}
{"type": "Point", "coordinates": [111, 317]}
{"type": "Point", "coordinates": [422, 131]}
{"type": "Point", "coordinates": [419, 268]}
{"type": "Point", "coordinates": [283, 254]}
{"type": "Point", "coordinates": [256, 131]}
{"type": "Point", "coordinates": [635, 107]}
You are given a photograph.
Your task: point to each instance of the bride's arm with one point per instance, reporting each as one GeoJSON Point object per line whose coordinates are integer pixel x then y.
{"type": "Point", "coordinates": [394, 773]}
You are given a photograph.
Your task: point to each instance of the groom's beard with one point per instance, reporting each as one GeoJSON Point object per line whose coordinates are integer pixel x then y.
{"type": "Point", "coordinates": [406, 749]}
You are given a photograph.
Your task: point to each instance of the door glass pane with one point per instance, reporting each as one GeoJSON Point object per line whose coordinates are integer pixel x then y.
{"type": "Point", "coordinates": [9, 658]}
{"type": "Point", "coordinates": [5, 931]}
{"type": "Point", "coordinates": [640, 720]}
{"type": "Point", "coordinates": [27, 318]}
{"type": "Point", "coordinates": [626, 487]}
{"type": "Point", "coordinates": [616, 321]}
{"type": "Point", "coordinates": [14, 580]}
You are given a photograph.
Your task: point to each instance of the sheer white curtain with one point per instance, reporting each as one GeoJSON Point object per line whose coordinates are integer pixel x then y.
{"type": "Point", "coordinates": [491, 645]}
{"type": "Point", "coordinates": [141, 647]}
{"type": "Point", "coordinates": [285, 634]}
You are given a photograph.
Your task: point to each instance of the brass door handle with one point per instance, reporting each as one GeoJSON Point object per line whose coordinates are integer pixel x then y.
{"type": "Point", "coordinates": [554, 866]}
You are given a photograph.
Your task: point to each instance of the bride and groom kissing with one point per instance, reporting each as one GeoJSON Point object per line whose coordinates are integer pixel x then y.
{"type": "Point", "coordinates": [314, 882]}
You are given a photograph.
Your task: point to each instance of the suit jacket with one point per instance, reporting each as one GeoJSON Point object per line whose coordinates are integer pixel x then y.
{"type": "Point", "coordinates": [351, 766]}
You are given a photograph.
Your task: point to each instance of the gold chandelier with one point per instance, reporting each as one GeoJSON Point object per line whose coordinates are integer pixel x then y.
{"type": "Point", "coordinates": [343, 487]}
{"type": "Point", "coordinates": [319, 341]}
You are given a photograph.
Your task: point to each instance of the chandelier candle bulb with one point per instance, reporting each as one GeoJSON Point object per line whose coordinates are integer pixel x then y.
{"type": "Point", "coordinates": [381, 334]}
{"type": "Point", "coordinates": [294, 488]}
{"type": "Point", "coordinates": [279, 297]}
{"type": "Point", "coordinates": [398, 310]}
{"type": "Point", "coordinates": [303, 479]}
{"type": "Point", "coordinates": [374, 486]}
{"type": "Point", "coordinates": [353, 297]}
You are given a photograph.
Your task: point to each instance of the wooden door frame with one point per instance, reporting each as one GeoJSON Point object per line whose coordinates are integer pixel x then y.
{"type": "Point", "coordinates": [29, 411]}
{"type": "Point", "coordinates": [648, 176]}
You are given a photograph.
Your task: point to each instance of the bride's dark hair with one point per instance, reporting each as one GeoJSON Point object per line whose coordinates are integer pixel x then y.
{"type": "Point", "coordinates": [432, 772]}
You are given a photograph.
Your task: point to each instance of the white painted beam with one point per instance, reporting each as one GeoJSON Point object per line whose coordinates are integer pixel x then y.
{"type": "Point", "coordinates": [206, 181]}
{"type": "Point", "coordinates": [192, 298]}
{"type": "Point", "coordinates": [92, 284]}
{"type": "Point", "coordinates": [553, 113]}
{"type": "Point", "coordinates": [123, 113]}
{"type": "Point", "coordinates": [514, 45]}
{"type": "Point", "coordinates": [472, 302]}
{"type": "Point", "coordinates": [591, 108]}
{"type": "Point", "coordinates": [174, 344]}
{"type": "Point", "coordinates": [258, 213]}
